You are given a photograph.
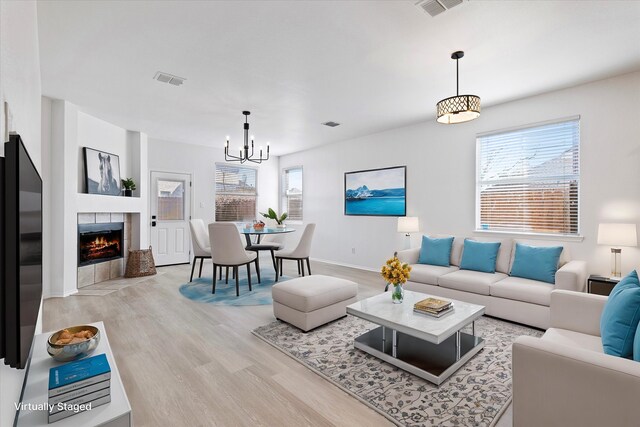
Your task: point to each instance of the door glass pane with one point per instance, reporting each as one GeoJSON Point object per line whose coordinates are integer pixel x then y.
{"type": "Point", "coordinates": [170, 200]}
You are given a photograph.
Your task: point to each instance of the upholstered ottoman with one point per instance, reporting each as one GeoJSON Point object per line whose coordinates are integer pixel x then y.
{"type": "Point", "coordinates": [311, 301]}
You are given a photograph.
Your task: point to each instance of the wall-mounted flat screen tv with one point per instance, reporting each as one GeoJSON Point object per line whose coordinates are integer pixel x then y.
{"type": "Point", "coordinates": [22, 285]}
{"type": "Point", "coordinates": [376, 192]}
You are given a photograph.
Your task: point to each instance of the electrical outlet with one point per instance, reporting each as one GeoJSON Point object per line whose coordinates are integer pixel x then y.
{"type": "Point", "coordinates": [353, 250]}
{"type": "Point", "coordinates": [202, 205]}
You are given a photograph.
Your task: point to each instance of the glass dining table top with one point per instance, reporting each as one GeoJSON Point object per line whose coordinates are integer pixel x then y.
{"type": "Point", "coordinates": [265, 230]}
{"type": "Point", "coordinates": [250, 231]}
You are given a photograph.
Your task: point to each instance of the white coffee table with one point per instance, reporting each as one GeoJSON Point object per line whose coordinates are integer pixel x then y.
{"type": "Point", "coordinates": [429, 347]}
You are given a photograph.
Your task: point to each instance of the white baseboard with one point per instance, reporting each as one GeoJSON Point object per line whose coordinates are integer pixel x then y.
{"type": "Point", "coordinates": [342, 264]}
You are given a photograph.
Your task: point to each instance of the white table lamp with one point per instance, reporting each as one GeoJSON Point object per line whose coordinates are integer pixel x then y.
{"type": "Point", "coordinates": [408, 225]}
{"type": "Point", "coordinates": [617, 235]}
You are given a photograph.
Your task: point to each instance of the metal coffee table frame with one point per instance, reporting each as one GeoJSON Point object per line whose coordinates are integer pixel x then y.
{"type": "Point", "coordinates": [432, 357]}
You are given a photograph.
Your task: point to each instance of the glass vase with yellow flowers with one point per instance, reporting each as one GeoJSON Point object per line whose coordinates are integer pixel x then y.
{"type": "Point", "coordinates": [396, 273]}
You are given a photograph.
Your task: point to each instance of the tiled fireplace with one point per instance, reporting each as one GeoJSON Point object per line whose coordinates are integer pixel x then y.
{"type": "Point", "coordinates": [103, 246]}
{"type": "Point", "coordinates": [100, 242]}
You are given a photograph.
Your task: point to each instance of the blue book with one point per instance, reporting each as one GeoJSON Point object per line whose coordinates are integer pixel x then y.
{"type": "Point", "coordinates": [75, 375]}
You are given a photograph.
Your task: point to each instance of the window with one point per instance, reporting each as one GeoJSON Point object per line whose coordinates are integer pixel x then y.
{"type": "Point", "coordinates": [170, 200]}
{"type": "Point", "coordinates": [235, 193]}
{"type": "Point", "coordinates": [292, 193]}
{"type": "Point", "coordinates": [528, 179]}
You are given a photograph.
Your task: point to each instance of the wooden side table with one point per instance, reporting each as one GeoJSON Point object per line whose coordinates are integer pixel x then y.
{"type": "Point", "coordinates": [600, 285]}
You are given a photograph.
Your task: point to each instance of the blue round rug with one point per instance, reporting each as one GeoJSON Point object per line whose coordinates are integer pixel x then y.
{"type": "Point", "coordinates": [200, 290]}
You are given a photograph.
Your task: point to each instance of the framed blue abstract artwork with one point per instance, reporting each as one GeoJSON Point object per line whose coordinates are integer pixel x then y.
{"type": "Point", "coordinates": [376, 192]}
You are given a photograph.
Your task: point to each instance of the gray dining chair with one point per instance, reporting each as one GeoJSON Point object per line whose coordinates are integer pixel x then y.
{"type": "Point", "coordinates": [227, 251]}
{"type": "Point", "coordinates": [300, 253]}
{"type": "Point", "coordinates": [200, 243]}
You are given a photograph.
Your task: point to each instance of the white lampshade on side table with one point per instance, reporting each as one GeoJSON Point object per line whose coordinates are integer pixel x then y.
{"type": "Point", "coordinates": [408, 225]}
{"type": "Point", "coordinates": [617, 235]}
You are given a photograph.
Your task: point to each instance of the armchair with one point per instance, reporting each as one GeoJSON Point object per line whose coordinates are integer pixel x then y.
{"type": "Point", "coordinates": [565, 379]}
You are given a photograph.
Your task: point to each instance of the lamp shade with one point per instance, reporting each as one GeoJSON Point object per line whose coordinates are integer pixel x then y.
{"type": "Point", "coordinates": [408, 224]}
{"type": "Point", "coordinates": [458, 109]}
{"type": "Point", "coordinates": [617, 235]}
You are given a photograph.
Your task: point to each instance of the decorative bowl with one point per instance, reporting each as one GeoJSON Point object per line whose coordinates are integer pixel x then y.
{"type": "Point", "coordinates": [69, 352]}
{"type": "Point", "coordinates": [258, 227]}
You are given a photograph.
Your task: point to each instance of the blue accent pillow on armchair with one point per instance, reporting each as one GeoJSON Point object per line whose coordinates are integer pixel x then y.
{"type": "Point", "coordinates": [479, 256]}
{"type": "Point", "coordinates": [620, 317]}
{"type": "Point", "coordinates": [536, 262]}
{"type": "Point", "coordinates": [435, 251]}
{"type": "Point", "coordinates": [636, 345]}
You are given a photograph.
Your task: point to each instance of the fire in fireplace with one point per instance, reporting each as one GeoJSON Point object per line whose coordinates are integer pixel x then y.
{"type": "Point", "coordinates": [99, 242]}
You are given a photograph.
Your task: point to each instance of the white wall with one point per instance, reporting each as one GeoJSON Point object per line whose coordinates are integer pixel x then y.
{"type": "Point", "coordinates": [100, 135]}
{"type": "Point", "coordinates": [20, 88]}
{"type": "Point", "coordinates": [440, 163]}
{"type": "Point", "coordinates": [200, 161]}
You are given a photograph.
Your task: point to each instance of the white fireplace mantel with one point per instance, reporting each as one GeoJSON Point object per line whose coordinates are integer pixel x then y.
{"type": "Point", "coordinates": [89, 203]}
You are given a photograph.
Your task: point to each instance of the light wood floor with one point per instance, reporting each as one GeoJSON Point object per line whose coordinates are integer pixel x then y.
{"type": "Point", "coordinates": [191, 364]}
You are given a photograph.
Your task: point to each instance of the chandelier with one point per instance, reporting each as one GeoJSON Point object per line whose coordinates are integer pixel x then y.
{"type": "Point", "coordinates": [244, 153]}
{"type": "Point", "coordinates": [459, 108]}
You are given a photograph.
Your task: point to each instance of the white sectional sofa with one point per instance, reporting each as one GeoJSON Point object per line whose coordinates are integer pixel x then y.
{"type": "Point", "coordinates": [511, 298]}
{"type": "Point", "coordinates": [564, 378]}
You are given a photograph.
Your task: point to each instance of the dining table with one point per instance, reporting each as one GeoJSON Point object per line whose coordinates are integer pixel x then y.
{"type": "Point", "coordinates": [250, 231]}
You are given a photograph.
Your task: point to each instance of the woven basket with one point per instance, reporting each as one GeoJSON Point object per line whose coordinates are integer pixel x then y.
{"type": "Point", "coordinates": [140, 263]}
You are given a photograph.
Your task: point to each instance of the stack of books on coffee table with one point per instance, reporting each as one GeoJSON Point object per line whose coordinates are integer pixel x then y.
{"type": "Point", "coordinates": [433, 307]}
{"type": "Point", "coordinates": [79, 386]}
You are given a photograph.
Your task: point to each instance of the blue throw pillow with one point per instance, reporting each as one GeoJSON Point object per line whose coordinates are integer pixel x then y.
{"type": "Point", "coordinates": [436, 251]}
{"type": "Point", "coordinates": [636, 345]}
{"type": "Point", "coordinates": [536, 262]}
{"type": "Point", "coordinates": [479, 256]}
{"type": "Point", "coordinates": [620, 317]}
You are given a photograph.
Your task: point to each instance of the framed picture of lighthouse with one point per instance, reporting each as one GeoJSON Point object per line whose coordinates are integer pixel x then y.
{"type": "Point", "coordinates": [376, 192]}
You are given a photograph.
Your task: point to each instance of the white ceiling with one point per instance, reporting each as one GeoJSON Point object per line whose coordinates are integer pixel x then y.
{"type": "Point", "coordinates": [370, 65]}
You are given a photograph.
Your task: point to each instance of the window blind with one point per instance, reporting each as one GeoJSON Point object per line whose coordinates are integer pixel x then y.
{"type": "Point", "coordinates": [235, 193]}
{"type": "Point", "coordinates": [528, 179]}
{"type": "Point", "coordinates": [292, 193]}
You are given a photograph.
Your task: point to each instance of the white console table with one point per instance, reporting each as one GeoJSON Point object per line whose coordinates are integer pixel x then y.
{"type": "Point", "coordinates": [117, 413]}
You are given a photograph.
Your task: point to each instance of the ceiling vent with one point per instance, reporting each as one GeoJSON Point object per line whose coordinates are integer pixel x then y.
{"type": "Point", "coordinates": [169, 78]}
{"type": "Point", "coordinates": [436, 7]}
{"type": "Point", "coordinates": [331, 124]}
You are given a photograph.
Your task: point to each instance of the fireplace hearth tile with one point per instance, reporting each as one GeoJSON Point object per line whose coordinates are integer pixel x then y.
{"type": "Point", "coordinates": [103, 272]}
{"type": "Point", "coordinates": [127, 231]}
{"type": "Point", "coordinates": [103, 217]}
{"type": "Point", "coordinates": [117, 268]}
{"type": "Point", "coordinates": [86, 275]}
{"type": "Point", "coordinates": [86, 218]}
{"type": "Point", "coordinates": [117, 217]}
{"type": "Point", "coordinates": [94, 292]}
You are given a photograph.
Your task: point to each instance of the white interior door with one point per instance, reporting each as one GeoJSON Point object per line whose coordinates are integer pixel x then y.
{"type": "Point", "coordinates": [170, 214]}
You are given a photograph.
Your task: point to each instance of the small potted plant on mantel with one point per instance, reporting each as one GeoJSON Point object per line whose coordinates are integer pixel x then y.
{"type": "Point", "coordinates": [271, 214]}
{"type": "Point", "coordinates": [129, 185]}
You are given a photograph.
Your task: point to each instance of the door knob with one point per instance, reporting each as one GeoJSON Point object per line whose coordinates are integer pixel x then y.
{"type": "Point", "coordinates": [153, 223]}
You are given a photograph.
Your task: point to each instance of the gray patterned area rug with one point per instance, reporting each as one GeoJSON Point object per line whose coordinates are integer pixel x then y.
{"type": "Point", "coordinates": [476, 395]}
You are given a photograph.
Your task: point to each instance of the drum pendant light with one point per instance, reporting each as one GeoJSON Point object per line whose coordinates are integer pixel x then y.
{"type": "Point", "coordinates": [459, 108]}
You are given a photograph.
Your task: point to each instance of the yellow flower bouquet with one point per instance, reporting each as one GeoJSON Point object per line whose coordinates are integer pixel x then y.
{"type": "Point", "coordinates": [396, 273]}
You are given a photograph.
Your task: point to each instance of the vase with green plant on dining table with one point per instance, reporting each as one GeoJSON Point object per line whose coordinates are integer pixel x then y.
{"type": "Point", "coordinates": [279, 219]}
